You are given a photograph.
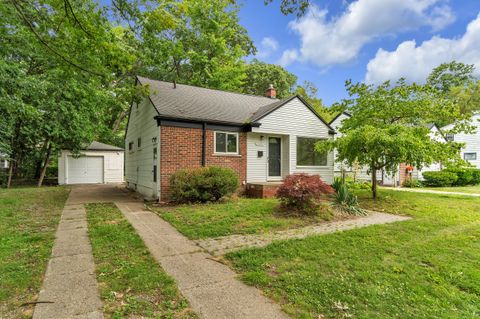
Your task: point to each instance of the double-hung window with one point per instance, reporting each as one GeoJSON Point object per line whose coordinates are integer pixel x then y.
{"type": "Point", "coordinates": [306, 154]}
{"type": "Point", "coordinates": [226, 143]}
{"type": "Point", "coordinates": [470, 156]}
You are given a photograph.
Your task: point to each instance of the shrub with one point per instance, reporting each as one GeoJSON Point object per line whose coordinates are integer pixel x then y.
{"type": "Point", "coordinates": [475, 176]}
{"type": "Point", "coordinates": [302, 192]}
{"type": "Point", "coordinates": [412, 183]}
{"type": "Point", "coordinates": [464, 175]}
{"type": "Point", "coordinates": [439, 179]}
{"type": "Point", "coordinates": [202, 184]}
{"type": "Point", "coordinates": [347, 202]}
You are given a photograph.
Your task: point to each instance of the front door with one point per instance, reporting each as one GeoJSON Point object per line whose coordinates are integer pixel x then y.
{"type": "Point", "coordinates": [274, 157]}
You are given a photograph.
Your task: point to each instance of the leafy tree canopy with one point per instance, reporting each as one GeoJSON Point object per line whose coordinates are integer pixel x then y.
{"type": "Point", "coordinates": [390, 125]}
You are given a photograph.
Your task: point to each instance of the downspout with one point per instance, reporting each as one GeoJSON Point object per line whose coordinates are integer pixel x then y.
{"type": "Point", "coordinates": [204, 140]}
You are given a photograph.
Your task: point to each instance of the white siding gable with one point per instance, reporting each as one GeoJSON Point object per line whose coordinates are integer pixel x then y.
{"type": "Point", "coordinates": [293, 119]}
{"type": "Point", "coordinates": [472, 141]}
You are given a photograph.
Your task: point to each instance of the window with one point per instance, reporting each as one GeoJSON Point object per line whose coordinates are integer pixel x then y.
{"type": "Point", "coordinates": [306, 154]}
{"type": "Point", "coordinates": [130, 146]}
{"type": "Point", "coordinates": [470, 156]}
{"type": "Point", "coordinates": [449, 137]}
{"type": "Point", "coordinates": [226, 143]}
{"type": "Point", "coordinates": [139, 142]}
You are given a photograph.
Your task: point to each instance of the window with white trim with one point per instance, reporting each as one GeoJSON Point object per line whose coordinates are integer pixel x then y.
{"type": "Point", "coordinates": [470, 156]}
{"type": "Point", "coordinates": [306, 154]}
{"type": "Point", "coordinates": [226, 143]}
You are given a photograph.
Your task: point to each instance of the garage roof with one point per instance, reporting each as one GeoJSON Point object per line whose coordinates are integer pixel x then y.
{"type": "Point", "coordinates": [97, 146]}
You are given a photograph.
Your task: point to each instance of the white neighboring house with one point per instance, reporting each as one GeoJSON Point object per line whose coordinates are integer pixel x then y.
{"type": "Point", "coordinates": [98, 164]}
{"type": "Point", "coordinates": [437, 135]}
{"type": "Point", "coordinates": [471, 151]}
{"type": "Point", "coordinates": [261, 138]}
{"type": "Point", "coordinates": [360, 173]}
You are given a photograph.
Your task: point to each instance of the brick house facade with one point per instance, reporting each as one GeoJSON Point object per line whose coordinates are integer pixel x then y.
{"type": "Point", "coordinates": [181, 148]}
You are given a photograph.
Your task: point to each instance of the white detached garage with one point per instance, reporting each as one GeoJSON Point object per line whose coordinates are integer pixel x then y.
{"type": "Point", "coordinates": [98, 164]}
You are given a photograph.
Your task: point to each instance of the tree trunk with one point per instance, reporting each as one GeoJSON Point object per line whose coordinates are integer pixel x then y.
{"type": "Point", "coordinates": [374, 183]}
{"type": "Point", "coordinates": [10, 174]}
{"type": "Point", "coordinates": [45, 165]}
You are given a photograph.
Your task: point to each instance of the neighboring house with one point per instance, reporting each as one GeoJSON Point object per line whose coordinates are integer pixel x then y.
{"type": "Point", "coordinates": [97, 164]}
{"type": "Point", "coordinates": [471, 150]}
{"type": "Point", "coordinates": [358, 173]}
{"type": "Point", "coordinates": [261, 138]}
{"type": "Point", "coordinates": [435, 134]}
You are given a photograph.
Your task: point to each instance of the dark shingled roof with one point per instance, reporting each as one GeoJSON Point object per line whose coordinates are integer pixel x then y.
{"type": "Point", "coordinates": [195, 103]}
{"type": "Point", "coordinates": [97, 146]}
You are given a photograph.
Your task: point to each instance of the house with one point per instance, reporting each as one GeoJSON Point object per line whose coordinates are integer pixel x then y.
{"type": "Point", "coordinates": [404, 173]}
{"type": "Point", "coordinates": [261, 138]}
{"type": "Point", "coordinates": [470, 152]}
{"type": "Point", "coordinates": [98, 163]}
{"type": "Point", "coordinates": [357, 173]}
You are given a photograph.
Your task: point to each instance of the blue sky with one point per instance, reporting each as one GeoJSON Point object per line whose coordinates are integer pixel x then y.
{"type": "Point", "coordinates": [364, 40]}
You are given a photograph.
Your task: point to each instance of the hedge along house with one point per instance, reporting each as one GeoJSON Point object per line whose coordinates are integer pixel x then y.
{"type": "Point", "coordinates": [261, 138]}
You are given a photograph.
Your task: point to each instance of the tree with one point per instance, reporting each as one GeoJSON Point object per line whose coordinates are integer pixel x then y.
{"type": "Point", "coordinates": [449, 75]}
{"type": "Point", "coordinates": [299, 7]}
{"type": "Point", "coordinates": [259, 76]}
{"type": "Point", "coordinates": [309, 92]}
{"type": "Point", "coordinates": [389, 126]}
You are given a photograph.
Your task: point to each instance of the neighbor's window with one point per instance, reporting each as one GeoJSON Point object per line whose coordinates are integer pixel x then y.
{"type": "Point", "coordinates": [449, 137]}
{"type": "Point", "coordinates": [139, 142]}
{"type": "Point", "coordinates": [470, 156]}
{"type": "Point", "coordinates": [306, 154]}
{"type": "Point", "coordinates": [226, 143]}
{"type": "Point", "coordinates": [130, 146]}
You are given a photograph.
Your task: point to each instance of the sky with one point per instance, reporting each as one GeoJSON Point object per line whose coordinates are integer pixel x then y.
{"type": "Point", "coordinates": [364, 40]}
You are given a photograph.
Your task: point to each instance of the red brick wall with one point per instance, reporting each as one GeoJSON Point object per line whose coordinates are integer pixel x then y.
{"type": "Point", "coordinates": [181, 148]}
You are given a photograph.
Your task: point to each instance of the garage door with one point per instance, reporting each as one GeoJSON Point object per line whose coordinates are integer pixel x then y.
{"type": "Point", "coordinates": [85, 170]}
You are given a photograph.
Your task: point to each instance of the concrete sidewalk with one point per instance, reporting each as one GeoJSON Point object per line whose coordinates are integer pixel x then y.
{"type": "Point", "coordinates": [211, 287]}
{"type": "Point", "coordinates": [70, 287]}
{"type": "Point", "coordinates": [222, 245]}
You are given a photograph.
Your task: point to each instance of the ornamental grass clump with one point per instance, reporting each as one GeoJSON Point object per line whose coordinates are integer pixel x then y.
{"type": "Point", "coordinates": [346, 202]}
{"type": "Point", "coordinates": [303, 193]}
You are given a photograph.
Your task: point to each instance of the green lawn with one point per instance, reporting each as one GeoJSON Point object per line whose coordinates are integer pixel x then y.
{"type": "Point", "coordinates": [236, 216]}
{"type": "Point", "coordinates": [460, 189]}
{"type": "Point", "coordinates": [132, 284]}
{"type": "Point", "coordinates": [428, 267]}
{"type": "Point", "coordinates": [28, 220]}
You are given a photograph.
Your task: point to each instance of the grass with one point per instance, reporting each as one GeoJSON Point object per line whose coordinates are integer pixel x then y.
{"type": "Point", "coordinates": [28, 220]}
{"type": "Point", "coordinates": [460, 189]}
{"type": "Point", "coordinates": [132, 284]}
{"type": "Point", "coordinates": [236, 216]}
{"type": "Point", "coordinates": [428, 267]}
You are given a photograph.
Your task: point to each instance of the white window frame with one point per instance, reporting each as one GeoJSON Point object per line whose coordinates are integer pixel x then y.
{"type": "Point", "coordinates": [470, 153]}
{"type": "Point", "coordinates": [226, 143]}
{"type": "Point", "coordinates": [296, 153]}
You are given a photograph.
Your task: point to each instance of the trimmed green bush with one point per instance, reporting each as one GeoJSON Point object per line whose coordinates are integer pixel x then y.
{"type": "Point", "coordinates": [439, 179]}
{"type": "Point", "coordinates": [202, 184]}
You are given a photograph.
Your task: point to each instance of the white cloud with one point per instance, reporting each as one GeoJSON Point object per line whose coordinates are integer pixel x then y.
{"type": "Point", "coordinates": [288, 56]}
{"type": "Point", "coordinates": [339, 39]}
{"type": "Point", "coordinates": [268, 46]}
{"type": "Point", "coordinates": [416, 62]}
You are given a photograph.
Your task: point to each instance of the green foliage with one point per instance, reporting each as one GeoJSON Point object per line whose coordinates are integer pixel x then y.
{"type": "Point", "coordinates": [346, 202]}
{"type": "Point", "coordinates": [412, 183]}
{"type": "Point", "coordinates": [439, 179]}
{"type": "Point", "coordinates": [259, 76]}
{"type": "Point", "coordinates": [202, 184]}
{"type": "Point", "coordinates": [389, 126]}
{"type": "Point", "coordinates": [449, 75]}
{"type": "Point", "coordinates": [309, 92]}
{"type": "Point", "coordinates": [465, 175]}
